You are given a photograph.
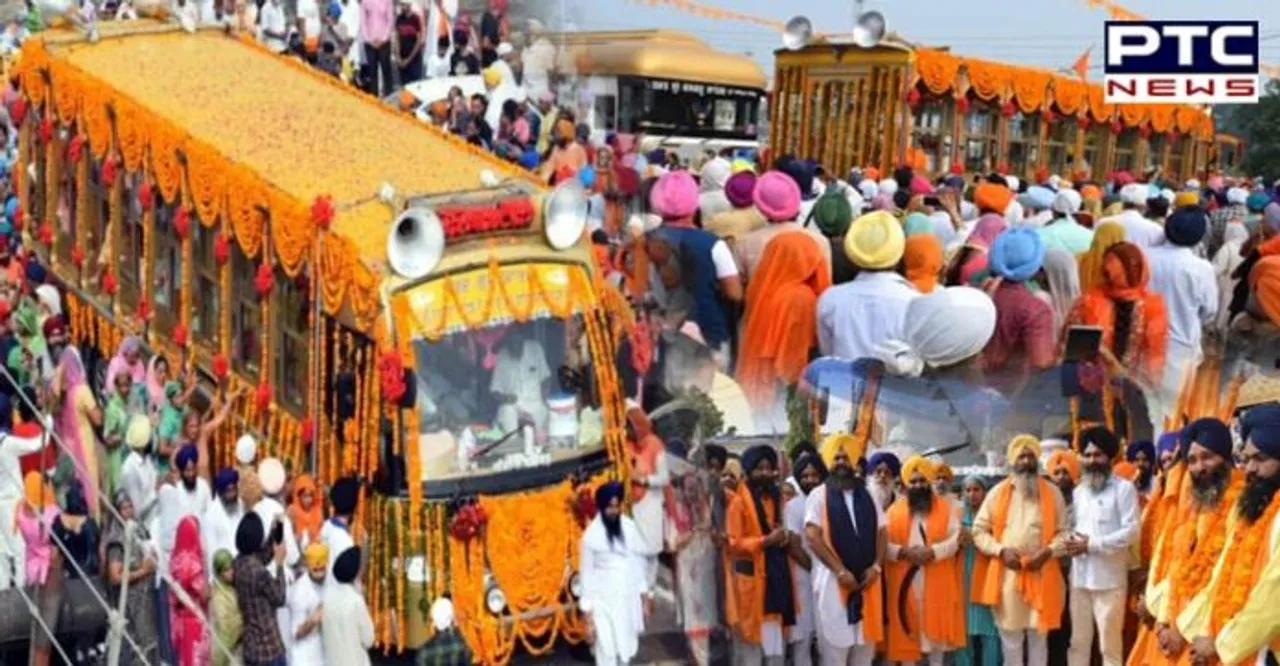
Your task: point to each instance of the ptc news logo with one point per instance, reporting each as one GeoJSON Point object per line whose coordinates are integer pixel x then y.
{"type": "Point", "coordinates": [1193, 62]}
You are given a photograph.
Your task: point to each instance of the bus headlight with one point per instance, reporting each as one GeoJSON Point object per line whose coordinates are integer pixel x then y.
{"type": "Point", "coordinates": [565, 215]}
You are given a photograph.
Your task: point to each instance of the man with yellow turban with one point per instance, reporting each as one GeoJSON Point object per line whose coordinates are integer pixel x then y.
{"type": "Point", "coordinates": [844, 530]}
{"type": "Point", "coordinates": [304, 604]}
{"type": "Point", "coordinates": [857, 317]}
{"type": "Point", "coordinates": [1023, 526]}
{"type": "Point", "coordinates": [923, 538]}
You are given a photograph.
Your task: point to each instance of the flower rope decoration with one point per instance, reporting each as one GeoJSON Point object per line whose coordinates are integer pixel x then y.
{"type": "Point", "coordinates": [1242, 564]}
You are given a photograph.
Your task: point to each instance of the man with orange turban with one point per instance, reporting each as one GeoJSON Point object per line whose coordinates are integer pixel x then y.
{"type": "Point", "coordinates": [844, 530]}
{"type": "Point", "coordinates": [923, 538]}
{"type": "Point", "coordinates": [1023, 526]}
{"type": "Point", "coordinates": [1063, 468]}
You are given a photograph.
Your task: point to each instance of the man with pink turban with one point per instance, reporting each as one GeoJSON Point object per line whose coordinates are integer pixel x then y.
{"type": "Point", "coordinates": [777, 197]}
{"type": "Point", "coordinates": [693, 260]}
{"type": "Point", "coordinates": [742, 218]}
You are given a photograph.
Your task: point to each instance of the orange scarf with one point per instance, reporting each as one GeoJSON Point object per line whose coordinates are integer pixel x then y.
{"type": "Point", "coordinates": [944, 622]}
{"type": "Point", "coordinates": [306, 521]}
{"type": "Point", "coordinates": [1246, 558]}
{"type": "Point", "coordinates": [1199, 549]}
{"type": "Point", "coordinates": [781, 324]}
{"type": "Point", "coordinates": [1043, 590]}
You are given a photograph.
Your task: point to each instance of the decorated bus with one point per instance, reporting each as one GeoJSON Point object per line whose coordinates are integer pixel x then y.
{"type": "Point", "coordinates": [383, 300]}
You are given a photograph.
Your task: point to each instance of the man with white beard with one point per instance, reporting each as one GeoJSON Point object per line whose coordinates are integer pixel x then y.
{"type": "Point", "coordinates": [1023, 526]}
{"type": "Point", "coordinates": [884, 469]}
{"type": "Point", "coordinates": [1105, 524]}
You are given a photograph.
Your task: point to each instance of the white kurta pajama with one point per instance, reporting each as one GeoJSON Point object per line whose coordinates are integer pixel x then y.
{"type": "Point", "coordinates": [13, 549]}
{"type": "Point", "coordinates": [801, 636]}
{"type": "Point", "coordinates": [1110, 518]}
{"type": "Point", "coordinates": [839, 643]}
{"type": "Point", "coordinates": [218, 530]}
{"type": "Point", "coordinates": [269, 510]}
{"type": "Point", "coordinates": [612, 575]}
{"type": "Point", "coordinates": [347, 628]}
{"type": "Point", "coordinates": [941, 551]}
{"type": "Point", "coordinates": [304, 597]}
{"type": "Point", "coordinates": [649, 515]}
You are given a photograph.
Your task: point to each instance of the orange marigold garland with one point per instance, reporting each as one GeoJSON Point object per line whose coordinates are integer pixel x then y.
{"type": "Point", "coordinates": [1241, 567]}
{"type": "Point", "coordinates": [1192, 573]}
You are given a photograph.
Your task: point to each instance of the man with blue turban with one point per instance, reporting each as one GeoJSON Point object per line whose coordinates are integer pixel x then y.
{"type": "Point", "coordinates": [1143, 456]}
{"type": "Point", "coordinates": [218, 525]}
{"type": "Point", "coordinates": [884, 469]}
{"type": "Point", "coordinates": [1245, 630]}
{"type": "Point", "coordinates": [614, 583]}
{"type": "Point", "coordinates": [1024, 322]}
{"type": "Point", "coordinates": [1189, 286]}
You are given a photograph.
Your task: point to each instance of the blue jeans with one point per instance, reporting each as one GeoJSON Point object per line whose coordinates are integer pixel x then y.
{"type": "Point", "coordinates": [278, 661]}
{"type": "Point", "coordinates": [163, 634]}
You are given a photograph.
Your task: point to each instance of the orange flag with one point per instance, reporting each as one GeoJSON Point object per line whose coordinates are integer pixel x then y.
{"type": "Point", "coordinates": [1081, 66]}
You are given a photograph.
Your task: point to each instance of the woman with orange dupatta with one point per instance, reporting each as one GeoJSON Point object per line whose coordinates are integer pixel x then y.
{"type": "Point", "coordinates": [1133, 319]}
{"type": "Point", "coordinates": [305, 511]}
{"type": "Point", "coordinates": [923, 261]}
{"type": "Point", "coordinates": [781, 326]}
{"type": "Point", "coordinates": [1106, 235]}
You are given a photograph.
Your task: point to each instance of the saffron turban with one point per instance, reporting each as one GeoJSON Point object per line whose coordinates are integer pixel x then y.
{"type": "Point", "coordinates": [1131, 452]}
{"type": "Point", "coordinates": [917, 465]}
{"type": "Point", "coordinates": [1102, 438]}
{"type": "Point", "coordinates": [1125, 470]}
{"type": "Point", "coordinates": [316, 555]}
{"type": "Point", "coordinates": [836, 443]}
{"type": "Point", "coordinates": [674, 196]}
{"type": "Point", "coordinates": [1211, 434]}
{"type": "Point", "coordinates": [1017, 254]}
{"type": "Point", "coordinates": [992, 198]}
{"type": "Point", "coordinates": [1063, 458]}
{"type": "Point", "coordinates": [875, 241]}
{"type": "Point", "coordinates": [1186, 198]}
{"type": "Point", "coordinates": [1022, 443]}
{"type": "Point", "coordinates": [885, 458]}
{"type": "Point", "coordinates": [1261, 427]}
{"type": "Point", "coordinates": [1091, 193]}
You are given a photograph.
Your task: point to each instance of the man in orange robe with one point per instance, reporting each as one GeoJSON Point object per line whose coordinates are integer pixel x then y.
{"type": "Point", "coordinates": [1023, 526]}
{"type": "Point", "coordinates": [1170, 504]}
{"type": "Point", "coordinates": [759, 562]}
{"type": "Point", "coordinates": [844, 528]}
{"type": "Point", "coordinates": [924, 536]}
{"type": "Point", "coordinates": [1198, 541]}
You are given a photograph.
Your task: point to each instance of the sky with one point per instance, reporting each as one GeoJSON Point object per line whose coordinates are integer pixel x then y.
{"type": "Point", "coordinates": [1046, 33]}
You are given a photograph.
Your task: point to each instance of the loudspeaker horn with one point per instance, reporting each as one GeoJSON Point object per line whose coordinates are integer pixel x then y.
{"type": "Point", "coordinates": [415, 243]}
{"type": "Point", "coordinates": [797, 34]}
{"type": "Point", "coordinates": [869, 30]}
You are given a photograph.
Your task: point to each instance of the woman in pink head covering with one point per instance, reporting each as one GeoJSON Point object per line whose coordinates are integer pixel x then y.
{"type": "Point", "coordinates": [971, 261]}
{"type": "Point", "coordinates": [77, 418]}
{"type": "Point", "coordinates": [191, 642]}
{"type": "Point", "coordinates": [128, 359]}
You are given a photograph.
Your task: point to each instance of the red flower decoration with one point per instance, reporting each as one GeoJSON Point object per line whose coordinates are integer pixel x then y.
{"type": "Point", "coordinates": [180, 336]}
{"type": "Point", "coordinates": [1002, 169]}
{"type": "Point", "coordinates": [1049, 116]}
{"type": "Point", "coordinates": [308, 430]}
{"type": "Point", "coordinates": [181, 223]}
{"type": "Point", "coordinates": [19, 219]}
{"type": "Point", "coordinates": [264, 280]}
{"type": "Point", "coordinates": [322, 212]}
{"type": "Point", "coordinates": [109, 169]}
{"type": "Point", "coordinates": [913, 97]}
{"type": "Point", "coordinates": [391, 376]}
{"type": "Point", "coordinates": [45, 132]}
{"type": "Point", "coordinates": [262, 397]}
{"type": "Point", "coordinates": [221, 367]}
{"type": "Point", "coordinates": [1145, 131]}
{"type": "Point", "coordinates": [45, 235]}
{"type": "Point", "coordinates": [109, 285]}
{"type": "Point", "coordinates": [75, 150]}
{"type": "Point", "coordinates": [584, 506]}
{"type": "Point", "coordinates": [146, 197]}
{"type": "Point", "coordinates": [508, 215]}
{"type": "Point", "coordinates": [1082, 122]}
{"type": "Point", "coordinates": [144, 309]}
{"type": "Point", "coordinates": [221, 250]}
{"type": "Point", "coordinates": [1171, 136]}
{"type": "Point", "coordinates": [1042, 175]}
{"type": "Point", "coordinates": [957, 169]}
{"type": "Point", "coordinates": [1008, 110]}
{"type": "Point", "coordinates": [1116, 127]}
{"type": "Point", "coordinates": [77, 257]}
{"type": "Point", "coordinates": [962, 105]}
{"type": "Point", "coordinates": [18, 111]}
{"type": "Point", "coordinates": [469, 522]}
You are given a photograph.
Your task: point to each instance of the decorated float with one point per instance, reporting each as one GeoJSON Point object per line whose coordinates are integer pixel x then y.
{"type": "Point", "coordinates": [898, 103]}
{"type": "Point", "coordinates": [380, 298]}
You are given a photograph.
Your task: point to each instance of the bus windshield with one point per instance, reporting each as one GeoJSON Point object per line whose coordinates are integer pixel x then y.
{"type": "Point", "coordinates": [507, 396]}
{"type": "Point", "coordinates": [682, 108]}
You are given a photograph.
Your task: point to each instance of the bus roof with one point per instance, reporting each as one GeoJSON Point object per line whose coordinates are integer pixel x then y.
{"type": "Point", "coordinates": [279, 125]}
{"type": "Point", "coordinates": [662, 54]}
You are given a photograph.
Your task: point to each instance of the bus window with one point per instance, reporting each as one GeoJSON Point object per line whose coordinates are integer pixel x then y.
{"type": "Point", "coordinates": [606, 110]}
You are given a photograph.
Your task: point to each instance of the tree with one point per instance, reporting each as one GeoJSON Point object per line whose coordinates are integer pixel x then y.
{"type": "Point", "coordinates": [1259, 126]}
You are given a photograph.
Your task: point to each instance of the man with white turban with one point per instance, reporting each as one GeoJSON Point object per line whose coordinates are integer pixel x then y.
{"type": "Point", "coordinates": [1137, 229]}
{"type": "Point", "coordinates": [869, 189]}
{"type": "Point", "coordinates": [1037, 202]}
{"type": "Point", "coordinates": [941, 329]}
{"type": "Point", "coordinates": [711, 197]}
{"type": "Point", "coordinates": [1064, 232]}
{"type": "Point", "coordinates": [1023, 527]}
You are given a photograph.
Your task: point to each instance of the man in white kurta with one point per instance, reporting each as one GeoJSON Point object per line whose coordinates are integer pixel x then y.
{"type": "Point", "coordinates": [218, 525]}
{"type": "Point", "coordinates": [346, 627]}
{"type": "Point", "coordinates": [807, 473]}
{"type": "Point", "coordinates": [12, 548]}
{"type": "Point", "coordinates": [304, 603]}
{"type": "Point", "coordinates": [841, 643]}
{"type": "Point", "coordinates": [613, 582]}
{"type": "Point", "coordinates": [518, 376]}
{"type": "Point", "coordinates": [272, 476]}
